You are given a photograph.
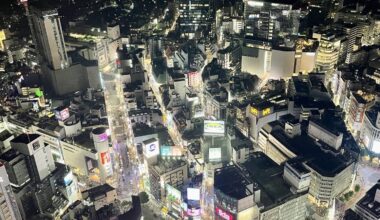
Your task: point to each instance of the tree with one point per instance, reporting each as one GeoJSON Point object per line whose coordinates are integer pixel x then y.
{"type": "Point", "coordinates": [144, 198]}
{"type": "Point", "coordinates": [357, 188]}
{"type": "Point", "coordinates": [125, 204]}
{"type": "Point", "coordinates": [351, 193]}
{"type": "Point", "coordinates": [347, 196]}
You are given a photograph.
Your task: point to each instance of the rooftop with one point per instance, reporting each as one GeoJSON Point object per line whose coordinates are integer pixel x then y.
{"type": "Point", "coordinates": [97, 191]}
{"type": "Point", "coordinates": [164, 166]}
{"type": "Point", "coordinates": [240, 141]}
{"type": "Point", "coordinates": [268, 175]}
{"type": "Point", "coordinates": [296, 164]}
{"type": "Point", "coordinates": [232, 182]}
{"type": "Point", "coordinates": [25, 138]}
{"type": "Point", "coordinates": [141, 129]}
{"type": "Point", "coordinates": [325, 163]}
{"type": "Point", "coordinates": [371, 114]}
{"type": "Point", "coordinates": [369, 203]}
{"type": "Point", "coordinates": [11, 155]}
{"type": "Point", "coordinates": [4, 135]}
{"type": "Point", "coordinates": [134, 112]}
{"type": "Point", "coordinates": [84, 140]}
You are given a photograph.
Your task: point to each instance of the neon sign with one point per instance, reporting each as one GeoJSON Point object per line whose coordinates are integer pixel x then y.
{"type": "Point", "coordinates": [105, 157]}
{"type": "Point", "coordinates": [225, 215]}
{"type": "Point", "coordinates": [266, 111]}
{"type": "Point", "coordinates": [254, 111]}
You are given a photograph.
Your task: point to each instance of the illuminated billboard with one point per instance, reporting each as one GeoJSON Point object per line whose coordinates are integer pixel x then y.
{"type": "Point", "coordinates": [173, 193]}
{"type": "Point", "coordinates": [223, 214]}
{"type": "Point", "coordinates": [376, 146]}
{"type": "Point", "coordinates": [215, 154]}
{"type": "Point", "coordinates": [193, 211]}
{"type": "Point", "coordinates": [170, 151]}
{"type": "Point", "coordinates": [105, 158]}
{"type": "Point", "coordinates": [256, 112]}
{"type": "Point", "coordinates": [68, 178]}
{"type": "Point", "coordinates": [193, 194]}
{"type": "Point", "coordinates": [213, 127]}
{"type": "Point", "coordinates": [62, 115]}
{"type": "Point", "coordinates": [266, 111]}
{"type": "Point", "coordinates": [151, 148]}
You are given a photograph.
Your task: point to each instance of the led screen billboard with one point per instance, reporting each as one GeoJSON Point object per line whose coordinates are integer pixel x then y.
{"type": "Point", "coordinates": [173, 193]}
{"type": "Point", "coordinates": [193, 194]}
{"type": "Point", "coordinates": [62, 115]}
{"type": "Point", "coordinates": [68, 178]}
{"type": "Point", "coordinates": [151, 148]}
{"type": "Point", "coordinates": [213, 127]}
{"type": "Point", "coordinates": [215, 154]}
{"type": "Point", "coordinates": [223, 214]}
{"type": "Point", "coordinates": [105, 158]}
{"type": "Point", "coordinates": [170, 151]}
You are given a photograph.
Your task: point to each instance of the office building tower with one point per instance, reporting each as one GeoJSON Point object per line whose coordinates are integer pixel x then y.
{"type": "Point", "coordinates": [38, 155]}
{"type": "Point", "coordinates": [283, 143]}
{"type": "Point", "coordinates": [354, 33]}
{"type": "Point", "coordinates": [48, 35]}
{"type": "Point", "coordinates": [370, 132]}
{"type": "Point", "coordinates": [100, 196]}
{"type": "Point", "coordinates": [327, 55]}
{"type": "Point", "coordinates": [8, 205]}
{"type": "Point", "coordinates": [193, 16]}
{"type": "Point", "coordinates": [163, 172]}
{"type": "Point", "coordinates": [16, 167]}
{"type": "Point", "coordinates": [257, 189]}
{"type": "Point", "coordinates": [270, 20]}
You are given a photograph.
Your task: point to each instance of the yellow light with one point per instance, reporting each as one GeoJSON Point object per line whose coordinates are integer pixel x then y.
{"type": "Point", "coordinates": [2, 38]}
{"type": "Point", "coordinates": [266, 111]}
{"type": "Point", "coordinates": [254, 111]}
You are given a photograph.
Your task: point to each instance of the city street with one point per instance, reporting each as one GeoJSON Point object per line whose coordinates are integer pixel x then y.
{"type": "Point", "coordinates": [367, 177]}
{"type": "Point", "coordinates": [126, 170]}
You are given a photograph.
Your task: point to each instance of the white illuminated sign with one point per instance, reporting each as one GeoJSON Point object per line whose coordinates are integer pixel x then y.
{"type": "Point", "coordinates": [376, 146]}
{"type": "Point", "coordinates": [152, 149]}
{"type": "Point", "coordinates": [215, 154]}
{"type": "Point", "coordinates": [213, 127]}
{"type": "Point", "coordinates": [173, 192]}
{"type": "Point", "coordinates": [170, 151]}
{"type": "Point", "coordinates": [193, 194]}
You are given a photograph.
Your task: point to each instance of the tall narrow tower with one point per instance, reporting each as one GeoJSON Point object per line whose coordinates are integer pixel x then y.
{"type": "Point", "coordinates": [45, 26]}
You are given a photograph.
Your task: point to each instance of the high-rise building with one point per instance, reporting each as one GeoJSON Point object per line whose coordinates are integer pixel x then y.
{"type": "Point", "coordinates": [172, 172]}
{"type": "Point", "coordinates": [48, 35]}
{"type": "Point", "coordinates": [38, 155]}
{"type": "Point", "coordinates": [357, 105]}
{"type": "Point", "coordinates": [327, 55]}
{"type": "Point", "coordinates": [330, 173]}
{"type": "Point", "coordinates": [270, 20]}
{"type": "Point", "coordinates": [16, 167]}
{"type": "Point", "coordinates": [370, 131]}
{"type": "Point", "coordinates": [247, 192]}
{"type": "Point", "coordinates": [193, 16]}
{"type": "Point", "coordinates": [354, 34]}
{"type": "Point", "coordinates": [8, 205]}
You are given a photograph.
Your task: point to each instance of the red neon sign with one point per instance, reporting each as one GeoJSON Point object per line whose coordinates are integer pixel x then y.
{"type": "Point", "coordinates": [225, 215]}
{"type": "Point", "coordinates": [105, 157]}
